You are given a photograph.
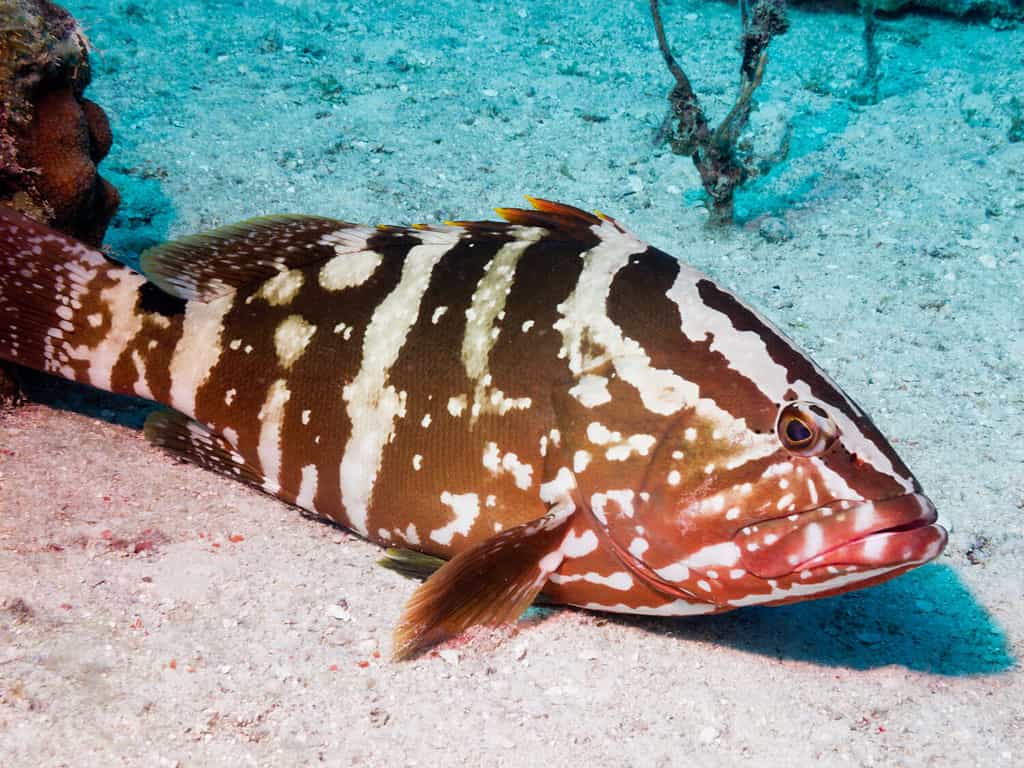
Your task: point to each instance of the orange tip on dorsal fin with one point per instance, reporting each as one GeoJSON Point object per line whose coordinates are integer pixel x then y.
{"type": "Point", "coordinates": [557, 218]}
{"type": "Point", "coordinates": [490, 584]}
{"type": "Point", "coordinates": [561, 209]}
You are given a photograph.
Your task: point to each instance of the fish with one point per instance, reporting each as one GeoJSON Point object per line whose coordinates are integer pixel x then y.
{"type": "Point", "coordinates": [544, 407]}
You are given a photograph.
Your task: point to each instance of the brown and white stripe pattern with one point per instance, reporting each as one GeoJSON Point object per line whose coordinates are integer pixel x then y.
{"type": "Point", "coordinates": [430, 387]}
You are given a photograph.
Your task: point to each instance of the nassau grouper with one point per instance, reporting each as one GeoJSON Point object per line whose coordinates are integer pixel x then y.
{"type": "Point", "coordinates": [543, 406]}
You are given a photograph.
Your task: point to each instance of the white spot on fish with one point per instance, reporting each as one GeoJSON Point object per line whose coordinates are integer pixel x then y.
{"type": "Point", "coordinates": [523, 473]}
{"type": "Point", "coordinates": [591, 391]}
{"type": "Point", "coordinates": [291, 338]}
{"type": "Point", "coordinates": [638, 546]}
{"type": "Point", "coordinates": [675, 572]}
{"type": "Point", "coordinates": [348, 269]}
{"type": "Point", "coordinates": [599, 434]}
{"type": "Point", "coordinates": [624, 498]}
{"type": "Point", "coordinates": [492, 458]}
{"type": "Point", "coordinates": [725, 554]}
{"type": "Point", "coordinates": [466, 507]}
{"type": "Point", "coordinates": [578, 546]}
{"type": "Point", "coordinates": [456, 405]}
{"type": "Point", "coordinates": [550, 562]}
{"type": "Point", "coordinates": [281, 288]}
{"type": "Point", "coordinates": [411, 535]}
{"type": "Point", "coordinates": [558, 490]}
{"type": "Point", "coordinates": [619, 580]}
{"type": "Point", "coordinates": [438, 314]}
{"type": "Point", "coordinates": [580, 461]}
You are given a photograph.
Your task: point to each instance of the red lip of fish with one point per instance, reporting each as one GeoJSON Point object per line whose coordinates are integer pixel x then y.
{"type": "Point", "coordinates": [877, 534]}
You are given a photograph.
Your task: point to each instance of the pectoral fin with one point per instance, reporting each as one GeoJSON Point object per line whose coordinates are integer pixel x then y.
{"type": "Point", "coordinates": [198, 444]}
{"type": "Point", "coordinates": [491, 584]}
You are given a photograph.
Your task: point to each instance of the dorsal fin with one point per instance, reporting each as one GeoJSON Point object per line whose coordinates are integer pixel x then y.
{"type": "Point", "coordinates": [205, 266]}
{"type": "Point", "coordinates": [557, 218]}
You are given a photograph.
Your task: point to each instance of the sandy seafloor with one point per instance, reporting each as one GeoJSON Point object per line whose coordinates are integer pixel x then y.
{"type": "Point", "coordinates": [155, 614]}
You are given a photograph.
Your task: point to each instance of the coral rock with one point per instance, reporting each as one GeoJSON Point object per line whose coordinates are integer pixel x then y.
{"type": "Point", "coordinates": [51, 137]}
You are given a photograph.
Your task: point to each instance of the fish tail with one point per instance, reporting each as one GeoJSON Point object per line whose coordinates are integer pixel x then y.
{"type": "Point", "coordinates": [68, 310]}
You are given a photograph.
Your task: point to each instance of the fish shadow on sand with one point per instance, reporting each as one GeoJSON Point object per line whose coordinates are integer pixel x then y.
{"type": "Point", "coordinates": [925, 620]}
{"type": "Point", "coordinates": [65, 395]}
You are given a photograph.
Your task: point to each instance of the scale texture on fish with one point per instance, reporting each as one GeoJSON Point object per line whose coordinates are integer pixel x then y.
{"type": "Point", "coordinates": [545, 406]}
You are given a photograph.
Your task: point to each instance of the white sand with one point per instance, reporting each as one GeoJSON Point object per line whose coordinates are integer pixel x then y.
{"type": "Point", "coordinates": [903, 277]}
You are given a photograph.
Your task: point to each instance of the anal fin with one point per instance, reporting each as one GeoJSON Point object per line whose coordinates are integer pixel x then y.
{"type": "Point", "coordinates": [490, 584]}
{"type": "Point", "coordinates": [195, 442]}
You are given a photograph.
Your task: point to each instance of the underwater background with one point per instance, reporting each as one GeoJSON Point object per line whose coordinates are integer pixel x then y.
{"type": "Point", "coordinates": [155, 614]}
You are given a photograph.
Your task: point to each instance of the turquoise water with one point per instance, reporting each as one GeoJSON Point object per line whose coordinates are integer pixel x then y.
{"type": "Point", "coordinates": [889, 242]}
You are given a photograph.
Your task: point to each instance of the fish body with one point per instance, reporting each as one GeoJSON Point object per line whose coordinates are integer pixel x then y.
{"type": "Point", "coordinates": [546, 404]}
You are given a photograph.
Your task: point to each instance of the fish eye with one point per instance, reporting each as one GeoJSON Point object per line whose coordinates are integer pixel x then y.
{"type": "Point", "coordinates": [798, 433]}
{"type": "Point", "coordinates": [806, 429]}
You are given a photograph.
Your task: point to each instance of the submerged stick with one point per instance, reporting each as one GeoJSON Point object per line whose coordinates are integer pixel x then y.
{"type": "Point", "coordinates": [715, 153]}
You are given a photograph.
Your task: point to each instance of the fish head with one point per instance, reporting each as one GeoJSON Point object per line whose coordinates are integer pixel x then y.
{"type": "Point", "coordinates": [770, 485]}
{"type": "Point", "coordinates": [768, 513]}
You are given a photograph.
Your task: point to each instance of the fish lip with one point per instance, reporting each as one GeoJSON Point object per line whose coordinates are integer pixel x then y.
{"type": "Point", "coordinates": [900, 530]}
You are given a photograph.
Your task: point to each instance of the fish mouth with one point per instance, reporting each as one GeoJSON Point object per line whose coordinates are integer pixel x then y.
{"type": "Point", "coordinates": [876, 534]}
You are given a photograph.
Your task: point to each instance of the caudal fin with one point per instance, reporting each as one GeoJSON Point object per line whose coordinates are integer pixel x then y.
{"type": "Point", "coordinates": [68, 310]}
